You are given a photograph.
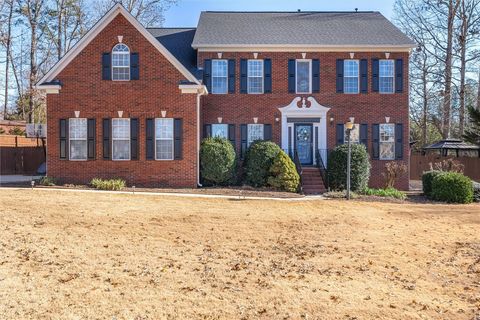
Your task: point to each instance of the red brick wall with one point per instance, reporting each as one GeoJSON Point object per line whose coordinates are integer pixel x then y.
{"type": "Point", "coordinates": [157, 90]}
{"type": "Point", "coordinates": [366, 108]}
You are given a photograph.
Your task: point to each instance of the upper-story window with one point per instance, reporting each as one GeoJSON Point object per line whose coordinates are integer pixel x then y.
{"type": "Point", "coordinates": [120, 62]}
{"type": "Point", "coordinates": [219, 76]}
{"type": "Point", "coordinates": [303, 76]}
{"type": "Point", "coordinates": [78, 138]}
{"type": "Point", "coordinates": [386, 83]}
{"type": "Point", "coordinates": [350, 76]}
{"type": "Point", "coordinates": [255, 76]}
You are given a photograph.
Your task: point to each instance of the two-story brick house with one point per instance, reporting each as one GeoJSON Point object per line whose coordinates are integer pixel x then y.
{"type": "Point", "coordinates": [135, 103]}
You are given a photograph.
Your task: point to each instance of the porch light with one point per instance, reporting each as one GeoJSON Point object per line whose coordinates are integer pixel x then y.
{"type": "Point", "coordinates": [349, 125]}
{"type": "Point", "coordinates": [331, 119]}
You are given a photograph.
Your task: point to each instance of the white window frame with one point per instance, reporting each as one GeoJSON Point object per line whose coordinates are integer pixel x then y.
{"type": "Point", "coordinates": [127, 53]}
{"type": "Point", "coordinates": [380, 76]}
{"type": "Point", "coordinates": [70, 121]}
{"type": "Point", "coordinates": [262, 76]}
{"type": "Point", "coordinates": [219, 124]}
{"type": "Point", "coordinates": [122, 139]}
{"type": "Point", "coordinates": [345, 77]}
{"type": "Point", "coordinates": [309, 75]}
{"type": "Point", "coordinates": [383, 142]}
{"type": "Point", "coordinates": [356, 127]}
{"type": "Point", "coordinates": [226, 76]}
{"type": "Point", "coordinates": [249, 142]}
{"type": "Point", "coordinates": [165, 139]}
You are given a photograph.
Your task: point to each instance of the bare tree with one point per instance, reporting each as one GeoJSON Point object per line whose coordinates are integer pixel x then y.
{"type": "Point", "coordinates": [6, 39]}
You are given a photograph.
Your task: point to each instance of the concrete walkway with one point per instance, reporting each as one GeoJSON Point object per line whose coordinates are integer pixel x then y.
{"type": "Point", "coordinates": [16, 178]}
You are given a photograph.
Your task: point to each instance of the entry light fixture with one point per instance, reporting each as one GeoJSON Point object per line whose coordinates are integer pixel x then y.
{"type": "Point", "coordinates": [277, 119]}
{"type": "Point", "coordinates": [349, 125]}
{"type": "Point", "coordinates": [331, 119]}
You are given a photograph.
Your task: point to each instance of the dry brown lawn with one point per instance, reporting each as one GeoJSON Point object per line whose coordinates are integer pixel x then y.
{"type": "Point", "coordinates": [73, 255]}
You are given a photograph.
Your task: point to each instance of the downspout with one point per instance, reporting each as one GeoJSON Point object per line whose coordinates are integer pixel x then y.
{"type": "Point", "coordinates": [201, 93]}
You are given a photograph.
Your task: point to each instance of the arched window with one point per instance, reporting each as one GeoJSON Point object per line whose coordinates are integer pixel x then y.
{"type": "Point", "coordinates": [120, 62]}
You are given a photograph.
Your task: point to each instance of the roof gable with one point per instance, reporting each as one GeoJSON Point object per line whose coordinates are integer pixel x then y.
{"type": "Point", "coordinates": [97, 28]}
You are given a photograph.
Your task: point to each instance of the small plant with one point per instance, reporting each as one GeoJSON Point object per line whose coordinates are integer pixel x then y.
{"type": "Point", "coordinates": [387, 192]}
{"type": "Point", "coordinates": [447, 165]}
{"type": "Point", "coordinates": [393, 171]}
{"type": "Point", "coordinates": [218, 161]}
{"type": "Point", "coordinates": [16, 131]}
{"type": "Point", "coordinates": [108, 184]}
{"type": "Point", "coordinates": [258, 161]}
{"type": "Point", "coordinates": [427, 179]}
{"type": "Point", "coordinates": [339, 195]}
{"type": "Point", "coordinates": [452, 187]}
{"type": "Point", "coordinates": [337, 168]}
{"type": "Point", "coordinates": [284, 175]}
{"type": "Point", "coordinates": [47, 181]}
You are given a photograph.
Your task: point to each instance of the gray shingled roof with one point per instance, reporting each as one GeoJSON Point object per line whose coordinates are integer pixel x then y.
{"type": "Point", "coordinates": [452, 144]}
{"type": "Point", "coordinates": [179, 42]}
{"type": "Point", "coordinates": [297, 28]}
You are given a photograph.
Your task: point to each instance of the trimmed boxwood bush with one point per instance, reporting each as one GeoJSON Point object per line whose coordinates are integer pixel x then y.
{"type": "Point", "coordinates": [258, 160]}
{"type": "Point", "coordinates": [427, 180]}
{"type": "Point", "coordinates": [337, 168]}
{"type": "Point", "coordinates": [452, 187]}
{"type": "Point", "coordinates": [217, 161]}
{"type": "Point", "coordinates": [284, 175]}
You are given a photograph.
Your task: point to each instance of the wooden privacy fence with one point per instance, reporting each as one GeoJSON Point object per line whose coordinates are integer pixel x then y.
{"type": "Point", "coordinates": [420, 163]}
{"type": "Point", "coordinates": [20, 155]}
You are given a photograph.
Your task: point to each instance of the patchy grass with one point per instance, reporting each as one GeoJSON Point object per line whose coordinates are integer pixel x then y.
{"type": "Point", "coordinates": [83, 255]}
{"type": "Point", "coordinates": [387, 193]}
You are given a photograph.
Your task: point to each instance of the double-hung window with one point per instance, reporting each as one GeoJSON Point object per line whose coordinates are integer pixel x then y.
{"type": "Point", "coordinates": [120, 63]}
{"type": "Point", "coordinates": [255, 76]}
{"type": "Point", "coordinates": [303, 76]}
{"type": "Point", "coordinates": [121, 139]}
{"type": "Point", "coordinates": [219, 76]}
{"type": "Point", "coordinates": [255, 132]}
{"type": "Point", "coordinates": [386, 82]}
{"type": "Point", "coordinates": [387, 141]}
{"type": "Point", "coordinates": [350, 76]}
{"type": "Point", "coordinates": [164, 139]}
{"type": "Point", "coordinates": [220, 130]}
{"type": "Point", "coordinates": [354, 134]}
{"type": "Point", "coordinates": [78, 138]}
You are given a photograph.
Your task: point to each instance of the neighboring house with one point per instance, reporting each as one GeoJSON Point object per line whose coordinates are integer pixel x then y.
{"type": "Point", "coordinates": [134, 103]}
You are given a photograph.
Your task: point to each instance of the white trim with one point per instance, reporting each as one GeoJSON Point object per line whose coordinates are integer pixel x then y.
{"type": "Point", "coordinates": [309, 75]}
{"type": "Point", "coordinates": [49, 88]}
{"type": "Point", "coordinates": [99, 26]}
{"type": "Point", "coordinates": [301, 48]}
{"type": "Point", "coordinates": [193, 88]}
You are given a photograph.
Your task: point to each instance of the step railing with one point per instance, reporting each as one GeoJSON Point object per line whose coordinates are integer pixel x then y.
{"type": "Point", "coordinates": [298, 166]}
{"type": "Point", "coordinates": [320, 156]}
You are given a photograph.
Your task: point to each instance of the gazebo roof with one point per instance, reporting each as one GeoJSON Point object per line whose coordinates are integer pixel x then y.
{"type": "Point", "coordinates": [455, 144]}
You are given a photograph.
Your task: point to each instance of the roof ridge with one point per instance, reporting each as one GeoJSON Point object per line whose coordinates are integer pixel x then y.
{"type": "Point", "coordinates": [306, 11]}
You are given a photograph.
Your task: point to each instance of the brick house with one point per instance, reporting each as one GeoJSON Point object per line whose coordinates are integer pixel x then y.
{"type": "Point", "coordinates": [132, 102]}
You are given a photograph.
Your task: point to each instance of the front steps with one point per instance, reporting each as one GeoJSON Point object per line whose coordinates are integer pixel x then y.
{"type": "Point", "coordinates": [312, 182]}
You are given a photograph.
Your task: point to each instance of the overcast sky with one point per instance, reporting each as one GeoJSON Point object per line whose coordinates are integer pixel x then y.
{"type": "Point", "coordinates": [185, 13]}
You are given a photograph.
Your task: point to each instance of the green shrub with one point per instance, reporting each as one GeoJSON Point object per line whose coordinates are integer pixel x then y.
{"type": "Point", "coordinates": [476, 191]}
{"type": "Point", "coordinates": [427, 180]}
{"type": "Point", "coordinates": [47, 181]}
{"type": "Point", "coordinates": [258, 161]}
{"type": "Point", "coordinates": [452, 187]}
{"type": "Point", "coordinates": [337, 167]}
{"type": "Point", "coordinates": [284, 175]}
{"type": "Point", "coordinates": [217, 161]}
{"type": "Point", "coordinates": [387, 192]}
{"type": "Point", "coordinates": [108, 184]}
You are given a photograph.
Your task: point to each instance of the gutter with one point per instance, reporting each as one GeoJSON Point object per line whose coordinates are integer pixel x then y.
{"type": "Point", "coordinates": [199, 94]}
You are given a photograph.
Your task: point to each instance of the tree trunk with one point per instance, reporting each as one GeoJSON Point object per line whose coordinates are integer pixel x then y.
{"type": "Point", "coordinates": [478, 91]}
{"type": "Point", "coordinates": [463, 68]}
{"type": "Point", "coordinates": [7, 62]}
{"type": "Point", "coordinates": [425, 104]}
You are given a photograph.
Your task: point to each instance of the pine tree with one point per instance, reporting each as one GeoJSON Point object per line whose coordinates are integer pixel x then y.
{"type": "Point", "coordinates": [472, 134]}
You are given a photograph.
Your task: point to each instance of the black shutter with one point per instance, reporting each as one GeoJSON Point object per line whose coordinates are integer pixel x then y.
{"type": "Point", "coordinates": [149, 139]}
{"type": "Point", "coordinates": [399, 75]}
{"type": "Point", "coordinates": [267, 132]}
{"type": "Point", "coordinates": [231, 135]}
{"type": "Point", "coordinates": [375, 74]}
{"type": "Point", "coordinates": [243, 136]}
{"type": "Point", "coordinates": [134, 127]}
{"type": "Point", "coordinates": [207, 74]}
{"type": "Point", "coordinates": [375, 141]}
{"type": "Point", "coordinates": [291, 76]}
{"type": "Point", "coordinates": [231, 76]}
{"type": "Point", "coordinates": [207, 131]}
{"type": "Point", "coordinates": [339, 75]}
{"type": "Point", "coordinates": [91, 133]}
{"type": "Point", "coordinates": [243, 75]}
{"type": "Point", "coordinates": [399, 141]}
{"type": "Point", "coordinates": [364, 134]}
{"type": "Point", "coordinates": [134, 69]}
{"type": "Point", "coordinates": [340, 134]}
{"type": "Point", "coordinates": [267, 73]}
{"type": "Point", "coordinates": [178, 138]}
{"type": "Point", "coordinates": [63, 138]}
{"type": "Point", "coordinates": [364, 76]}
{"type": "Point", "coordinates": [315, 76]}
{"type": "Point", "coordinates": [107, 138]}
{"type": "Point", "coordinates": [106, 66]}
